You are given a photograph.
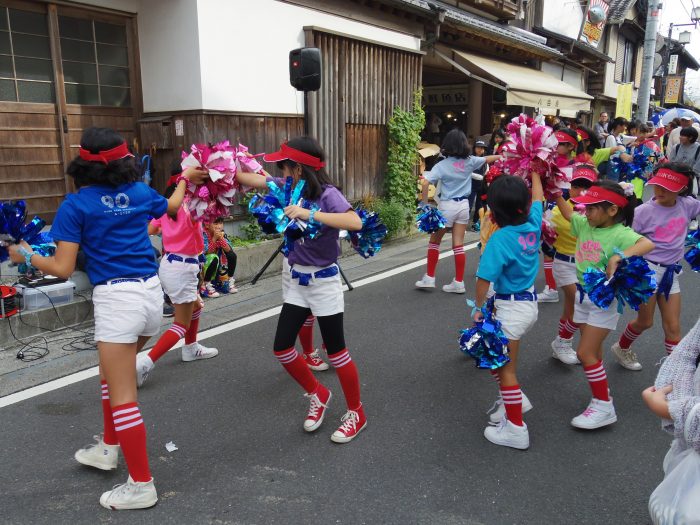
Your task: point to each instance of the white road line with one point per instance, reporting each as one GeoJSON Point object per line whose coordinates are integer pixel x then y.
{"type": "Point", "coordinates": [11, 399]}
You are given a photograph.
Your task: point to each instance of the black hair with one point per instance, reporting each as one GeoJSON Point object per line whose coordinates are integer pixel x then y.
{"type": "Point", "coordinates": [115, 173]}
{"type": "Point", "coordinates": [581, 183]}
{"type": "Point", "coordinates": [691, 133]}
{"type": "Point", "coordinates": [683, 169]}
{"type": "Point", "coordinates": [571, 133]}
{"type": "Point", "coordinates": [509, 200]}
{"type": "Point", "coordinates": [497, 133]}
{"type": "Point", "coordinates": [618, 121]}
{"type": "Point", "coordinates": [315, 179]}
{"type": "Point", "coordinates": [634, 124]}
{"type": "Point", "coordinates": [624, 215]}
{"type": "Point", "coordinates": [593, 144]}
{"type": "Point", "coordinates": [455, 145]}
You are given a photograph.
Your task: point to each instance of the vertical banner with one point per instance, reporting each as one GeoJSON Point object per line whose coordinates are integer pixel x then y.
{"type": "Point", "coordinates": [594, 22]}
{"type": "Point", "coordinates": [624, 101]}
{"type": "Point", "coordinates": [673, 90]}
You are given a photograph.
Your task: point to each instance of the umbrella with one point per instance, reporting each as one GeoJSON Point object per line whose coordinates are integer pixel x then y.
{"type": "Point", "coordinates": [670, 114]}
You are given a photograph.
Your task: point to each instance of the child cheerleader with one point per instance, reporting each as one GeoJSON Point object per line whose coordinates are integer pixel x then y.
{"type": "Point", "coordinates": [455, 175]}
{"type": "Point", "coordinates": [510, 263]}
{"type": "Point", "coordinates": [179, 275]}
{"type": "Point", "coordinates": [603, 231]}
{"type": "Point", "coordinates": [564, 267]}
{"type": "Point", "coordinates": [664, 220]}
{"type": "Point", "coordinates": [313, 287]}
{"type": "Point", "coordinates": [107, 219]}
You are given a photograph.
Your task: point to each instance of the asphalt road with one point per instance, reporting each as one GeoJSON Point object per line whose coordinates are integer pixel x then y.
{"type": "Point", "coordinates": [243, 457]}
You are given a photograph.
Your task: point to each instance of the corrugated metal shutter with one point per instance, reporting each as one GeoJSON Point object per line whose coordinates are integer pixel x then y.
{"type": "Point", "coordinates": [620, 58]}
{"type": "Point", "coordinates": [638, 66]}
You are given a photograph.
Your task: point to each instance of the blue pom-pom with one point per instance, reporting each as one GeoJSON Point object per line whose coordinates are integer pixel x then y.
{"type": "Point", "coordinates": [430, 220]}
{"type": "Point", "coordinates": [633, 283]}
{"type": "Point", "coordinates": [692, 256]}
{"type": "Point", "coordinates": [368, 241]}
{"type": "Point", "coordinates": [13, 229]}
{"type": "Point", "coordinates": [641, 166]}
{"type": "Point", "coordinates": [485, 341]}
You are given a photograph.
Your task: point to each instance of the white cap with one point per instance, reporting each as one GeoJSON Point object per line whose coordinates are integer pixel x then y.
{"type": "Point", "coordinates": [686, 117]}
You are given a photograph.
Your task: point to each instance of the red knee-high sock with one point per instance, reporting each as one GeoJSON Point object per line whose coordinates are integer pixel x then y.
{"type": "Point", "coordinates": [110, 435]}
{"type": "Point", "coordinates": [628, 337]}
{"type": "Point", "coordinates": [567, 328]}
{"type": "Point", "coordinates": [296, 366]}
{"type": "Point", "coordinates": [549, 275]}
{"type": "Point", "coordinates": [191, 334]}
{"type": "Point", "coordinates": [460, 262]}
{"type": "Point", "coordinates": [598, 380]}
{"type": "Point", "coordinates": [496, 377]}
{"type": "Point", "coordinates": [513, 402]}
{"type": "Point", "coordinates": [348, 377]}
{"type": "Point", "coordinates": [433, 255]}
{"type": "Point", "coordinates": [167, 341]}
{"type": "Point", "coordinates": [131, 433]}
{"type": "Point", "coordinates": [306, 335]}
{"type": "Point", "coordinates": [670, 345]}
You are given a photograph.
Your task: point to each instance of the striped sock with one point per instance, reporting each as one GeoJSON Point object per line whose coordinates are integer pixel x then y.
{"type": "Point", "coordinates": [549, 275]}
{"type": "Point", "coordinates": [167, 341]}
{"type": "Point", "coordinates": [513, 402]}
{"type": "Point", "coordinates": [306, 335]}
{"type": "Point", "coordinates": [460, 262]}
{"type": "Point", "coordinates": [669, 345]}
{"type": "Point", "coordinates": [598, 380]}
{"type": "Point", "coordinates": [433, 255]}
{"type": "Point", "coordinates": [296, 366]}
{"type": "Point", "coordinates": [191, 334]}
{"type": "Point", "coordinates": [628, 337]}
{"type": "Point", "coordinates": [110, 435]}
{"type": "Point", "coordinates": [567, 328]}
{"type": "Point", "coordinates": [496, 377]}
{"type": "Point", "coordinates": [132, 439]}
{"type": "Point", "coordinates": [349, 378]}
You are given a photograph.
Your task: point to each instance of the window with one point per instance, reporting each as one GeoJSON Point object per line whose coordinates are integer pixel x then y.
{"type": "Point", "coordinates": [26, 69]}
{"type": "Point", "coordinates": [625, 60]}
{"type": "Point", "coordinates": [95, 62]}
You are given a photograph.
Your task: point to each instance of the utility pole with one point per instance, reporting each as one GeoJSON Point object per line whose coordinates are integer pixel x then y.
{"type": "Point", "coordinates": [653, 13]}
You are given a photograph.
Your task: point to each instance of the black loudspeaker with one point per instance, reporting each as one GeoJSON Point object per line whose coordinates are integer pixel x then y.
{"type": "Point", "coordinates": [305, 68]}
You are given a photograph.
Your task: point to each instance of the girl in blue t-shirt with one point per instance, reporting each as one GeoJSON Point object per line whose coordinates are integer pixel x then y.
{"type": "Point", "coordinates": [107, 218]}
{"type": "Point", "coordinates": [311, 284]}
{"type": "Point", "coordinates": [510, 262]}
{"type": "Point", "coordinates": [454, 173]}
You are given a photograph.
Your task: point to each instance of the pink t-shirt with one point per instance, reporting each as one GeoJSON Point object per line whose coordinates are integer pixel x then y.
{"type": "Point", "coordinates": [183, 236]}
{"type": "Point", "coordinates": [666, 227]}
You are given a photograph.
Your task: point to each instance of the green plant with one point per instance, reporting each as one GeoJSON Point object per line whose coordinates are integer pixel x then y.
{"type": "Point", "coordinates": [404, 129]}
{"type": "Point", "coordinates": [250, 229]}
{"type": "Point", "coordinates": [394, 215]}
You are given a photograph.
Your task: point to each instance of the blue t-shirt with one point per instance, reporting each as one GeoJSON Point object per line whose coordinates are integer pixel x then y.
{"type": "Point", "coordinates": [455, 175]}
{"type": "Point", "coordinates": [511, 258]}
{"type": "Point", "coordinates": [111, 226]}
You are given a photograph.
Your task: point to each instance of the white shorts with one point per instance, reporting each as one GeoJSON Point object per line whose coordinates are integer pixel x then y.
{"type": "Point", "coordinates": [125, 311]}
{"type": "Point", "coordinates": [660, 270]}
{"type": "Point", "coordinates": [564, 272]}
{"type": "Point", "coordinates": [454, 211]}
{"type": "Point", "coordinates": [180, 279]}
{"type": "Point", "coordinates": [587, 313]}
{"type": "Point", "coordinates": [516, 317]}
{"type": "Point", "coordinates": [323, 296]}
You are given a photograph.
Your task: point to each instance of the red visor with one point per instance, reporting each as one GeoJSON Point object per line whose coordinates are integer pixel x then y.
{"type": "Point", "coordinates": [106, 156]}
{"type": "Point", "coordinates": [583, 134]}
{"type": "Point", "coordinates": [585, 171]}
{"type": "Point", "coordinates": [596, 195]}
{"type": "Point", "coordinates": [287, 153]}
{"type": "Point", "coordinates": [565, 137]}
{"type": "Point", "coordinates": [669, 179]}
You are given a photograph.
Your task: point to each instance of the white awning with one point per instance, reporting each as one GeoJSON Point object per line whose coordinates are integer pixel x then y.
{"type": "Point", "coordinates": [527, 87]}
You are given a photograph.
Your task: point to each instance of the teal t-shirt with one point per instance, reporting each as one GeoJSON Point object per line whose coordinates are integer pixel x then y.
{"type": "Point", "coordinates": [511, 258]}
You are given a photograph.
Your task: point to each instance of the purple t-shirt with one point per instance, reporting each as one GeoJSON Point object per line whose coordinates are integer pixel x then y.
{"type": "Point", "coordinates": [666, 227]}
{"type": "Point", "coordinates": [324, 249]}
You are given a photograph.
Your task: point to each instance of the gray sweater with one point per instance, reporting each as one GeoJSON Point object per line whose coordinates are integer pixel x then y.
{"type": "Point", "coordinates": [687, 154]}
{"type": "Point", "coordinates": [680, 370]}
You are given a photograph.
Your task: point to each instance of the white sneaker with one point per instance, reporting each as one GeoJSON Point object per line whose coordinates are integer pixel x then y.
{"type": "Point", "coordinates": [508, 435]}
{"type": "Point", "coordinates": [99, 455]}
{"type": "Point", "coordinates": [598, 414]}
{"type": "Point", "coordinates": [144, 365]}
{"type": "Point", "coordinates": [548, 296]}
{"type": "Point", "coordinates": [693, 225]}
{"type": "Point", "coordinates": [426, 282]}
{"type": "Point", "coordinates": [195, 351]}
{"type": "Point", "coordinates": [626, 358]}
{"type": "Point", "coordinates": [454, 287]}
{"type": "Point", "coordinates": [563, 349]}
{"type": "Point", "coordinates": [211, 291]}
{"type": "Point", "coordinates": [497, 415]}
{"type": "Point", "coordinates": [130, 495]}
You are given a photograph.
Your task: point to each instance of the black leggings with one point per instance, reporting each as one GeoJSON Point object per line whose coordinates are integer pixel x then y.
{"type": "Point", "coordinates": [291, 320]}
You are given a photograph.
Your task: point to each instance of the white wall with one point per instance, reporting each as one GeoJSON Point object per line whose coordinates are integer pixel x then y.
{"type": "Point", "coordinates": [573, 77]}
{"type": "Point", "coordinates": [610, 84]}
{"type": "Point", "coordinates": [245, 68]}
{"type": "Point", "coordinates": [563, 17]}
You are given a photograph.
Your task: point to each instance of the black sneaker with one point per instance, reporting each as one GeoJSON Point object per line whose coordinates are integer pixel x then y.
{"type": "Point", "coordinates": [168, 310]}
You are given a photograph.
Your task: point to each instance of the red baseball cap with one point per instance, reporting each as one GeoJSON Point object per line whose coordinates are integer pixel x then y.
{"type": "Point", "coordinates": [288, 153]}
{"type": "Point", "coordinates": [565, 137]}
{"type": "Point", "coordinates": [597, 194]}
{"type": "Point", "coordinates": [669, 179]}
{"type": "Point", "coordinates": [585, 171]}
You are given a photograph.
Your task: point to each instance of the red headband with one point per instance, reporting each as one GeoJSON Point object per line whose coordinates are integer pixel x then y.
{"type": "Point", "coordinates": [597, 194]}
{"type": "Point", "coordinates": [582, 134]}
{"type": "Point", "coordinates": [108, 155]}
{"type": "Point", "coordinates": [565, 137]}
{"type": "Point", "coordinates": [288, 153]}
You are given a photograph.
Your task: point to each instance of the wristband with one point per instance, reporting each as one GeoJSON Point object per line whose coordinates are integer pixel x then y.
{"type": "Point", "coordinates": [27, 255]}
{"type": "Point", "coordinates": [311, 216]}
{"type": "Point", "coordinates": [182, 177]}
